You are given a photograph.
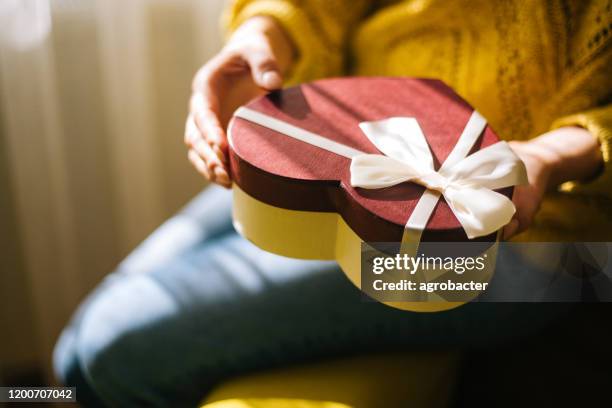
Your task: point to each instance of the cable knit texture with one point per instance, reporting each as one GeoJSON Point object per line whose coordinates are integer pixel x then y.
{"type": "Point", "coordinates": [528, 66]}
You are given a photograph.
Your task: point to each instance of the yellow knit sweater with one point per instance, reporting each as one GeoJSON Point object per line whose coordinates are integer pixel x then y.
{"type": "Point", "coordinates": [528, 66]}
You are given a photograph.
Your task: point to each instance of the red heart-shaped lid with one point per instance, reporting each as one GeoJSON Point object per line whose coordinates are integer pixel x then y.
{"type": "Point", "coordinates": [288, 173]}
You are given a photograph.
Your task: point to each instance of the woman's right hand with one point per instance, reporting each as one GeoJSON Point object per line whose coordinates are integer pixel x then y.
{"type": "Point", "coordinates": [251, 64]}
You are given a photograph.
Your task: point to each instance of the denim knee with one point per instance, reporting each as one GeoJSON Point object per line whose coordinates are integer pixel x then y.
{"type": "Point", "coordinates": [113, 348]}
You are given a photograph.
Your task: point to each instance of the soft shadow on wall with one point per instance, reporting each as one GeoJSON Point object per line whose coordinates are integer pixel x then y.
{"type": "Point", "coordinates": [93, 98]}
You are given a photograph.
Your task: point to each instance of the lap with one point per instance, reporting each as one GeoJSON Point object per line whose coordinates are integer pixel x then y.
{"type": "Point", "coordinates": [196, 304]}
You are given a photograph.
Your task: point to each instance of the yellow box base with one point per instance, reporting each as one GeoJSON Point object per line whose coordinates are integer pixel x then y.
{"type": "Point", "coordinates": [310, 235]}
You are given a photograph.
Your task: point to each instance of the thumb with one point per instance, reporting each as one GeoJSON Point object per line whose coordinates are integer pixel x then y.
{"type": "Point", "coordinates": [264, 70]}
{"type": "Point", "coordinates": [511, 229]}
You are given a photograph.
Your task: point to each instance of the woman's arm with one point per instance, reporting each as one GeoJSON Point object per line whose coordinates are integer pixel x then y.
{"type": "Point", "coordinates": [564, 154]}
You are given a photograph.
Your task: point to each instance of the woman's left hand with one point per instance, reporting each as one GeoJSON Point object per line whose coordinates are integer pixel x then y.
{"type": "Point", "coordinates": [564, 154]}
{"type": "Point", "coordinates": [527, 198]}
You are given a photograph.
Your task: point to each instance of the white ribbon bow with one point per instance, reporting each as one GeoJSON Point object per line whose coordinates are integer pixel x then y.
{"type": "Point", "coordinates": [467, 184]}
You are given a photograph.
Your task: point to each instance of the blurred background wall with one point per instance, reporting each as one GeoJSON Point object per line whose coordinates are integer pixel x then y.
{"type": "Point", "coordinates": [93, 98]}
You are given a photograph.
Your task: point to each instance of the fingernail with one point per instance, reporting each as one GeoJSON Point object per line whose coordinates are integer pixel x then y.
{"type": "Point", "coordinates": [221, 175]}
{"type": "Point", "coordinates": [212, 167]}
{"type": "Point", "coordinates": [271, 80]}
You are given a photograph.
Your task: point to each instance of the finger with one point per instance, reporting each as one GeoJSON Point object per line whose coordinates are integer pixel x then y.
{"type": "Point", "coordinates": [222, 177]}
{"type": "Point", "coordinates": [208, 123]}
{"type": "Point", "coordinates": [207, 88]}
{"type": "Point", "coordinates": [524, 221]}
{"type": "Point", "coordinates": [264, 69]}
{"type": "Point", "coordinates": [188, 136]}
{"type": "Point", "coordinates": [192, 133]}
{"type": "Point", "coordinates": [216, 175]}
{"type": "Point", "coordinates": [199, 164]}
{"type": "Point", "coordinates": [511, 229]}
{"type": "Point", "coordinates": [201, 146]}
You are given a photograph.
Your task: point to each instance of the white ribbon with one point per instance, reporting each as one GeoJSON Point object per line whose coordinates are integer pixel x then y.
{"type": "Point", "coordinates": [467, 183]}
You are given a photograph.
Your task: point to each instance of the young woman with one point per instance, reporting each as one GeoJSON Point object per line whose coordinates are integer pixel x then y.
{"type": "Point", "coordinates": [196, 303]}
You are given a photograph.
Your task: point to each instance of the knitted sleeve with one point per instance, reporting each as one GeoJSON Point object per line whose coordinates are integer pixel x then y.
{"type": "Point", "coordinates": [587, 85]}
{"type": "Point", "coordinates": [318, 28]}
{"type": "Point", "coordinates": [599, 122]}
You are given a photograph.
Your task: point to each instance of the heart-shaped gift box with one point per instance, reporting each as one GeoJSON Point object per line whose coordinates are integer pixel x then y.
{"type": "Point", "coordinates": [295, 195]}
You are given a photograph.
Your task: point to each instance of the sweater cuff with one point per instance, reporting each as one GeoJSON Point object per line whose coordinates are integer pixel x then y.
{"type": "Point", "coordinates": [313, 60]}
{"type": "Point", "coordinates": [599, 123]}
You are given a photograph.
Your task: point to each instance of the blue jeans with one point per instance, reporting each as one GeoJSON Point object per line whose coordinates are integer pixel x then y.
{"type": "Point", "coordinates": [196, 304]}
